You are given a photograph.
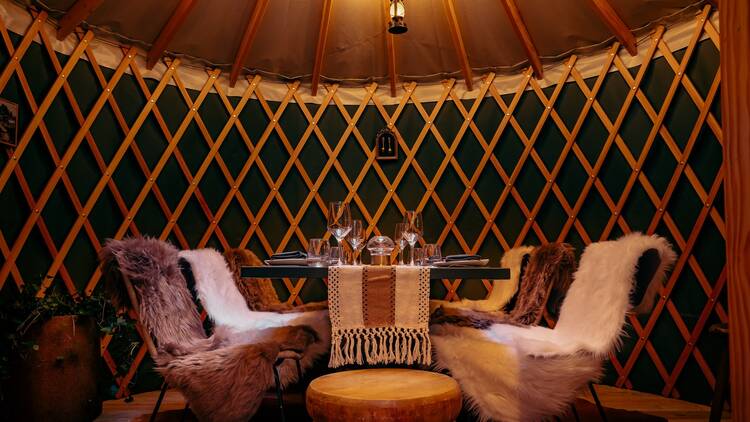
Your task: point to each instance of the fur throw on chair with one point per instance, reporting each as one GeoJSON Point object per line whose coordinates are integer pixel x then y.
{"type": "Point", "coordinates": [227, 308]}
{"type": "Point", "coordinates": [528, 373]}
{"type": "Point", "coordinates": [166, 307]}
{"type": "Point", "coordinates": [259, 293]}
{"type": "Point", "coordinates": [550, 269]}
{"type": "Point", "coordinates": [224, 376]}
{"type": "Point", "coordinates": [502, 290]}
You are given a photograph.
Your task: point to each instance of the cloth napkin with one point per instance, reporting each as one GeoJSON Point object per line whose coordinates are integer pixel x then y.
{"type": "Point", "coordinates": [462, 257]}
{"type": "Point", "coordinates": [379, 314]}
{"type": "Point", "coordinates": [289, 255]}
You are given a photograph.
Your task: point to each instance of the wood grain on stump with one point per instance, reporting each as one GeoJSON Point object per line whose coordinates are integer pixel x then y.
{"type": "Point", "coordinates": [384, 395]}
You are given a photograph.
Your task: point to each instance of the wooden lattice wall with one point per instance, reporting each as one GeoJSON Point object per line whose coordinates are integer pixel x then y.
{"type": "Point", "coordinates": [108, 153]}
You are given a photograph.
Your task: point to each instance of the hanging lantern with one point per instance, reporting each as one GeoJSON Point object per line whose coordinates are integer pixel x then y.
{"type": "Point", "coordinates": [397, 25]}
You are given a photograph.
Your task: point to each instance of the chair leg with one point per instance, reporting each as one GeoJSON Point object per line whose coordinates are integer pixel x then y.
{"type": "Point", "coordinates": [299, 370]}
{"type": "Point", "coordinates": [158, 402]}
{"type": "Point", "coordinates": [279, 395]}
{"type": "Point", "coordinates": [720, 390]}
{"type": "Point", "coordinates": [184, 412]}
{"type": "Point", "coordinates": [599, 406]}
{"type": "Point", "coordinates": [575, 412]}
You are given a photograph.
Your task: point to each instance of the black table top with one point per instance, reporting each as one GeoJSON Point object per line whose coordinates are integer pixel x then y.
{"type": "Point", "coordinates": [436, 273]}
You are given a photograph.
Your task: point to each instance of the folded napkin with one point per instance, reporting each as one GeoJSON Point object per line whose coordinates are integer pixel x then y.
{"type": "Point", "coordinates": [379, 315]}
{"type": "Point", "coordinates": [462, 257]}
{"type": "Point", "coordinates": [289, 255]}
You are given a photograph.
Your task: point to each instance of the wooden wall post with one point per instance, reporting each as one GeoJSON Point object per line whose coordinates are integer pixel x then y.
{"type": "Point", "coordinates": [735, 110]}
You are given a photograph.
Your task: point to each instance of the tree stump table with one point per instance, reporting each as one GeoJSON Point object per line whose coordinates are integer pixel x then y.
{"type": "Point", "coordinates": [386, 394]}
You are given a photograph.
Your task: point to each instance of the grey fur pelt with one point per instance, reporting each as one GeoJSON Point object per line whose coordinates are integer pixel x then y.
{"type": "Point", "coordinates": [223, 376]}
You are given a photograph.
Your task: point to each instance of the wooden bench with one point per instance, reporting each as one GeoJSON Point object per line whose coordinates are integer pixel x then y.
{"type": "Point", "coordinates": [386, 394]}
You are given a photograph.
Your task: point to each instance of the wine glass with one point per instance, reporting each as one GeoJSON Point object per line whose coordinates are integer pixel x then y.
{"type": "Point", "coordinates": [414, 228]}
{"type": "Point", "coordinates": [400, 241]}
{"type": "Point", "coordinates": [339, 221]}
{"type": "Point", "coordinates": [356, 239]}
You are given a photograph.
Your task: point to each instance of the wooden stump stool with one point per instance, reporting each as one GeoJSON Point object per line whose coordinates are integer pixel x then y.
{"type": "Point", "coordinates": [384, 395]}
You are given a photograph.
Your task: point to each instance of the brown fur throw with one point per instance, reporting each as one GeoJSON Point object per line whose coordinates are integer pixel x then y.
{"type": "Point", "coordinates": [259, 293]}
{"type": "Point", "coordinates": [550, 267]}
{"type": "Point", "coordinates": [224, 376]}
{"type": "Point", "coordinates": [226, 384]}
{"type": "Point", "coordinates": [166, 306]}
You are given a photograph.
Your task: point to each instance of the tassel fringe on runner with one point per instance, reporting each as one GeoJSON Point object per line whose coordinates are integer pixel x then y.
{"type": "Point", "coordinates": [380, 345]}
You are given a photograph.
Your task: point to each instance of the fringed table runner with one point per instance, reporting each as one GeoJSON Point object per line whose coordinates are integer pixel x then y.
{"type": "Point", "coordinates": [379, 315]}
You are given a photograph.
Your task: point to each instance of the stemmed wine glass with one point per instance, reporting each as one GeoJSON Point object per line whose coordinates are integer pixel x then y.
{"type": "Point", "coordinates": [356, 238]}
{"type": "Point", "coordinates": [339, 222]}
{"type": "Point", "coordinates": [414, 228]}
{"type": "Point", "coordinates": [400, 241]}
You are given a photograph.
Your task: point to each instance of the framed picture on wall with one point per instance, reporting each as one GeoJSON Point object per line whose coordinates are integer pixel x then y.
{"type": "Point", "coordinates": [8, 123]}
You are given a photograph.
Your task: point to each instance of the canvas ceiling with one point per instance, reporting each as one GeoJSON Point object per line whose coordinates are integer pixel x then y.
{"type": "Point", "coordinates": [284, 47]}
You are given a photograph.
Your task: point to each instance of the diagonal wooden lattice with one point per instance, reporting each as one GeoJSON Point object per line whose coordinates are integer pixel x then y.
{"type": "Point", "coordinates": [422, 180]}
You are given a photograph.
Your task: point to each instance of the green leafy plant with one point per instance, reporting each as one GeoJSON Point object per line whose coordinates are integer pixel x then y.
{"type": "Point", "coordinates": [21, 310]}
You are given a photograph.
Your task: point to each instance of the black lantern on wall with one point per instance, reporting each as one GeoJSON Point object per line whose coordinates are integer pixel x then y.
{"type": "Point", "coordinates": [386, 145]}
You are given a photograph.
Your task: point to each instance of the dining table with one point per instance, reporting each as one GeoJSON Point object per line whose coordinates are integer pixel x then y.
{"type": "Point", "coordinates": [436, 273]}
{"type": "Point", "coordinates": [375, 331]}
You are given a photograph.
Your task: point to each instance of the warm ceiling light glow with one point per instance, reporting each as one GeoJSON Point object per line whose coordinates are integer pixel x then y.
{"type": "Point", "coordinates": [397, 10]}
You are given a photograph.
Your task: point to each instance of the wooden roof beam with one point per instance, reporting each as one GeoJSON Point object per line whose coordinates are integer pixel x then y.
{"type": "Point", "coordinates": [390, 50]}
{"type": "Point", "coordinates": [516, 21]}
{"type": "Point", "coordinates": [458, 42]}
{"type": "Point", "coordinates": [247, 39]}
{"type": "Point", "coordinates": [168, 31]}
{"type": "Point", "coordinates": [80, 10]}
{"type": "Point", "coordinates": [616, 25]}
{"type": "Point", "coordinates": [320, 50]}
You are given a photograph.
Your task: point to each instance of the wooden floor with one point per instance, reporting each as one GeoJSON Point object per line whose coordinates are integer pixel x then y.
{"type": "Point", "coordinates": [652, 404]}
{"type": "Point", "coordinates": [672, 410]}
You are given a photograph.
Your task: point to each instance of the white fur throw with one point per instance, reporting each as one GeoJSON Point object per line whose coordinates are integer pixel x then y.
{"type": "Point", "coordinates": [226, 307]}
{"type": "Point", "coordinates": [513, 373]}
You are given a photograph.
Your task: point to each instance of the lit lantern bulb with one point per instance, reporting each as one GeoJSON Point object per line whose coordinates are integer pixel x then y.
{"type": "Point", "coordinates": [397, 11]}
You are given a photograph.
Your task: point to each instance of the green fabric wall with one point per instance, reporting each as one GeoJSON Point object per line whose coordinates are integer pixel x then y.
{"type": "Point", "coordinates": [59, 215]}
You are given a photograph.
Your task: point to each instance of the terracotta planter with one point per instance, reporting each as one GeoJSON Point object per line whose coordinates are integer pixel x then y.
{"type": "Point", "coordinates": [58, 381]}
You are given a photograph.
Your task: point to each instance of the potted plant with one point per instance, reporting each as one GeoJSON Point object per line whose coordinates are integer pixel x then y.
{"type": "Point", "coordinates": [49, 354]}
